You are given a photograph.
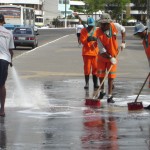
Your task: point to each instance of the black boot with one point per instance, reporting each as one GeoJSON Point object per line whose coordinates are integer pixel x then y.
{"type": "Point", "coordinates": [95, 82]}
{"type": "Point", "coordinates": [86, 82]}
{"type": "Point", "coordinates": [110, 100]}
{"type": "Point", "coordinates": [101, 95]}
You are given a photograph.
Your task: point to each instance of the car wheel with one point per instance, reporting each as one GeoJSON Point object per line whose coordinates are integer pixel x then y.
{"type": "Point", "coordinates": [33, 46]}
{"type": "Point", "coordinates": [37, 44]}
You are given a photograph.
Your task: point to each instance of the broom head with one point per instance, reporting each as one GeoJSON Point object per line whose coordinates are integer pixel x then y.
{"type": "Point", "coordinates": [93, 103]}
{"type": "Point", "coordinates": [135, 106]}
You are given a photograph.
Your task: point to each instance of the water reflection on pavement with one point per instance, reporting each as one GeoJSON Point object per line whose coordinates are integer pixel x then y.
{"type": "Point", "coordinates": [3, 138]}
{"type": "Point", "coordinates": [55, 117]}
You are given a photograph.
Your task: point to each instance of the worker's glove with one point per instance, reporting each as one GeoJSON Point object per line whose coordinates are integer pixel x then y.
{"type": "Point", "coordinates": [91, 38]}
{"type": "Point", "coordinates": [113, 60]}
{"type": "Point", "coordinates": [123, 45]}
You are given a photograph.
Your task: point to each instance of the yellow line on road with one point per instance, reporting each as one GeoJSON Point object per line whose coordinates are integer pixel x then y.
{"type": "Point", "coordinates": [41, 74]}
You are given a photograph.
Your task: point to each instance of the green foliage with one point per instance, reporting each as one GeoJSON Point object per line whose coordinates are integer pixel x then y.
{"type": "Point", "coordinates": [116, 6]}
{"type": "Point", "coordinates": [78, 8]}
{"type": "Point", "coordinates": [140, 4]}
{"type": "Point", "coordinates": [94, 5]}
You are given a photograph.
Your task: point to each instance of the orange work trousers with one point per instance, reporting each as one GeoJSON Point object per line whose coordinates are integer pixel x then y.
{"type": "Point", "coordinates": [104, 66]}
{"type": "Point", "coordinates": [90, 63]}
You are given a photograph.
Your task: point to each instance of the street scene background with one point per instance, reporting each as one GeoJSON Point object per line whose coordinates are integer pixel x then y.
{"type": "Point", "coordinates": [45, 105]}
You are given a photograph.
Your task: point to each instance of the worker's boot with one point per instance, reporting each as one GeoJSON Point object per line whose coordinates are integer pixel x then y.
{"type": "Point", "coordinates": [101, 94]}
{"type": "Point", "coordinates": [86, 82]}
{"type": "Point", "coordinates": [95, 82]}
{"type": "Point", "coordinates": [110, 100]}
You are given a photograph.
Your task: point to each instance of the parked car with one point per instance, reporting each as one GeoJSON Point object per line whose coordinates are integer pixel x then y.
{"type": "Point", "coordinates": [25, 36]}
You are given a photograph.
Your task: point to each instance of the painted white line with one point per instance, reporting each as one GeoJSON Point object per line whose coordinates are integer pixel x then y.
{"type": "Point", "coordinates": [42, 46]}
{"type": "Point", "coordinates": [56, 28]}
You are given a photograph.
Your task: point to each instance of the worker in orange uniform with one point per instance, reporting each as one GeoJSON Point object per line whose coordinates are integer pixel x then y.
{"type": "Point", "coordinates": [89, 52]}
{"type": "Point", "coordinates": [108, 50]}
{"type": "Point", "coordinates": [142, 31]}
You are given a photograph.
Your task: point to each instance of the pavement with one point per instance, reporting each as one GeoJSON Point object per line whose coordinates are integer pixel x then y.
{"type": "Point", "coordinates": [45, 105]}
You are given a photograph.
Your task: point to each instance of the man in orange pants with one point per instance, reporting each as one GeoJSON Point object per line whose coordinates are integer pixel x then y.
{"type": "Point", "coordinates": [108, 51]}
{"type": "Point", "coordinates": [89, 52]}
{"type": "Point", "coordinates": [141, 31]}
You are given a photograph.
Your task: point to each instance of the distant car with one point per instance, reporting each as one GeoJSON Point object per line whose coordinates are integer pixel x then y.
{"type": "Point", "coordinates": [25, 36]}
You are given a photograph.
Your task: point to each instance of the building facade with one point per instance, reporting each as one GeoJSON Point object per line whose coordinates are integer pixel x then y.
{"type": "Point", "coordinates": [49, 9]}
{"type": "Point", "coordinates": [36, 4]}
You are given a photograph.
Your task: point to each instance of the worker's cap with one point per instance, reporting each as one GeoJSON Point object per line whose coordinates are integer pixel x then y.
{"type": "Point", "coordinates": [2, 19]}
{"type": "Point", "coordinates": [105, 18]}
{"type": "Point", "coordinates": [139, 28]}
{"type": "Point", "coordinates": [90, 21]}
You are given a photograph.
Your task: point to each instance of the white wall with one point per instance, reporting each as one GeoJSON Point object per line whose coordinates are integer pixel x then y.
{"type": "Point", "coordinates": [50, 9]}
{"type": "Point", "coordinates": [22, 1]}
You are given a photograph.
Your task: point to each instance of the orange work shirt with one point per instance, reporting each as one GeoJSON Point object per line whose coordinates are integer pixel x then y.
{"type": "Point", "coordinates": [146, 44]}
{"type": "Point", "coordinates": [109, 42]}
{"type": "Point", "coordinates": [89, 48]}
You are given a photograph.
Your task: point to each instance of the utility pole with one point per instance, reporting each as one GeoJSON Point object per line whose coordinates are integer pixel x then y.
{"type": "Point", "coordinates": [148, 14]}
{"type": "Point", "coordinates": [65, 13]}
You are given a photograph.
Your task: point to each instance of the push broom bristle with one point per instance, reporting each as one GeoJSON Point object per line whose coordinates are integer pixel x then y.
{"type": "Point", "coordinates": [93, 103]}
{"type": "Point", "coordinates": [135, 106]}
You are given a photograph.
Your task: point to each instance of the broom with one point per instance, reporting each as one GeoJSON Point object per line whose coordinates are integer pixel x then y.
{"type": "Point", "coordinates": [137, 105]}
{"type": "Point", "coordinates": [93, 101]}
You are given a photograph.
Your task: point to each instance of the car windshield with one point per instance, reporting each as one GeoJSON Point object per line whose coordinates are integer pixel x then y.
{"type": "Point", "coordinates": [22, 31]}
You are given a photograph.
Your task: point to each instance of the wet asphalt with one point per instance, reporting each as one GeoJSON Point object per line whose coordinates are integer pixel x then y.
{"type": "Point", "coordinates": [45, 105]}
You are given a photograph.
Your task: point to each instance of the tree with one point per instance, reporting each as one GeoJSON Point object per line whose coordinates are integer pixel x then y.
{"type": "Point", "coordinates": [141, 6]}
{"type": "Point", "coordinates": [78, 8]}
{"type": "Point", "coordinates": [116, 8]}
{"type": "Point", "coordinates": [92, 6]}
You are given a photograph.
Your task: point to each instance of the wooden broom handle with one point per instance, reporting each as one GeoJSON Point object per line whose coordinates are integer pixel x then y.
{"type": "Point", "coordinates": [142, 87]}
{"type": "Point", "coordinates": [104, 78]}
